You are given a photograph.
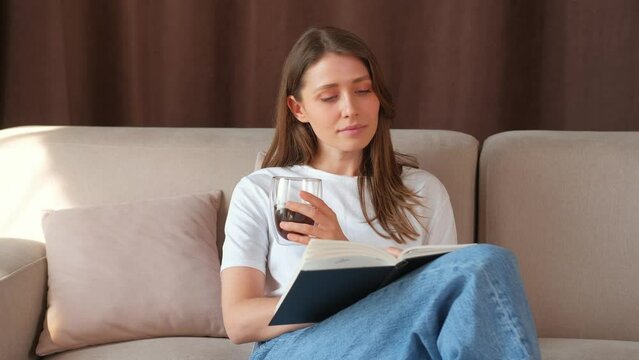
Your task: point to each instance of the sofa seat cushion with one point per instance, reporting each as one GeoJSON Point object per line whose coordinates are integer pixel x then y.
{"type": "Point", "coordinates": [169, 348]}
{"type": "Point", "coordinates": [197, 348]}
{"type": "Point", "coordinates": [584, 349]}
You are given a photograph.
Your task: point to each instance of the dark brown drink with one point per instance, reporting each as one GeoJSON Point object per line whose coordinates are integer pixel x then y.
{"type": "Point", "coordinates": [284, 214]}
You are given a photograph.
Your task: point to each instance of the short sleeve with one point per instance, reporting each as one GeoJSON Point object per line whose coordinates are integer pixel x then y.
{"type": "Point", "coordinates": [441, 229]}
{"type": "Point", "coordinates": [435, 215]}
{"type": "Point", "coordinates": [247, 241]}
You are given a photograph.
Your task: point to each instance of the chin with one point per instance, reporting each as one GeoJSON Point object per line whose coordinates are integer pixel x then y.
{"type": "Point", "coordinates": [359, 146]}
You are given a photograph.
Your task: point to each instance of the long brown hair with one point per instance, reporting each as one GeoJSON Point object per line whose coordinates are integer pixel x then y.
{"type": "Point", "coordinates": [295, 142]}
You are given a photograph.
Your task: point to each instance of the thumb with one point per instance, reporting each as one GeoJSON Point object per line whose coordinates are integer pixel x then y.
{"type": "Point", "coordinates": [394, 251]}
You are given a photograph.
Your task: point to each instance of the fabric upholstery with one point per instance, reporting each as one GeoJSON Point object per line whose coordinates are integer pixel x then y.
{"type": "Point", "coordinates": [169, 348]}
{"type": "Point", "coordinates": [132, 271]}
{"type": "Point", "coordinates": [566, 203]}
{"type": "Point", "coordinates": [572, 349]}
{"type": "Point", "coordinates": [23, 276]}
{"type": "Point", "coordinates": [536, 196]}
{"type": "Point", "coordinates": [18, 253]}
{"type": "Point", "coordinates": [61, 167]}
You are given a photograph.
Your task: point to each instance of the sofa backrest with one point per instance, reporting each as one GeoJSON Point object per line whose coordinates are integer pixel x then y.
{"type": "Point", "coordinates": [46, 167]}
{"type": "Point", "coordinates": [567, 203]}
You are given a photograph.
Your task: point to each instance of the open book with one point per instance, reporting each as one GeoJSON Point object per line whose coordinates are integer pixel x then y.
{"type": "Point", "coordinates": [336, 274]}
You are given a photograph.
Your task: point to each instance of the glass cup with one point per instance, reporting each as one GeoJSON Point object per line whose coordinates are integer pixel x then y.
{"type": "Point", "coordinates": [285, 189]}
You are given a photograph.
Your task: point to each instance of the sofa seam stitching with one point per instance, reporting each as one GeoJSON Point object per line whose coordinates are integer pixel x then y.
{"type": "Point", "coordinates": [22, 268]}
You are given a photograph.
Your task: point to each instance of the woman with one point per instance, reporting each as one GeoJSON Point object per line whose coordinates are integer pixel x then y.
{"type": "Point", "coordinates": [333, 122]}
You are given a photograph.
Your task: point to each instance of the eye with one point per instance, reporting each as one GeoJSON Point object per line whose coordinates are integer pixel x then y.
{"type": "Point", "coordinates": [363, 91]}
{"type": "Point", "coordinates": [329, 99]}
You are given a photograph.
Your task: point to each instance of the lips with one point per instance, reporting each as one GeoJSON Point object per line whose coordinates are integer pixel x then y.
{"type": "Point", "coordinates": [352, 128]}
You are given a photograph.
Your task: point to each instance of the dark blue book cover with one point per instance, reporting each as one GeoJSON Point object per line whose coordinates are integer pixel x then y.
{"type": "Point", "coordinates": [317, 294]}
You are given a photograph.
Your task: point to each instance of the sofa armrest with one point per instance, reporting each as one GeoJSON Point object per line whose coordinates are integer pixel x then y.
{"type": "Point", "coordinates": [23, 285]}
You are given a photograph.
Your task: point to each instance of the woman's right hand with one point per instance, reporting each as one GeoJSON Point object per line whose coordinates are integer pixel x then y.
{"type": "Point", "coordinates": [326, 225]}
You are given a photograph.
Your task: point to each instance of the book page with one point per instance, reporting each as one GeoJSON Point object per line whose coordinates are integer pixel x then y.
{"type": "Point", "coordinates": [335, 254]}
{"type": "Point", "coordinates": [344, 262]}
{"type": "Point", "coordinates": [430, 250]}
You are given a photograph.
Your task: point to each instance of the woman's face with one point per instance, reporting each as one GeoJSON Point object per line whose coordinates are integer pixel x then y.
{"type": "Point", "coordinates": [338, 101]}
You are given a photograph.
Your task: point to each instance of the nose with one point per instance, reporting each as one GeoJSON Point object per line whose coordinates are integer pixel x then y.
{"type": "Point", "coordinates": [349, 106]}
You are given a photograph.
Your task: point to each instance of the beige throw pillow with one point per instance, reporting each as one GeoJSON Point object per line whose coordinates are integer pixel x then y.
{"type": "Point", "coordinates": [132, 271]}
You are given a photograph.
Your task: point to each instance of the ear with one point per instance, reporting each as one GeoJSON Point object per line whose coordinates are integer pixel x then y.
{"type": "Point", "coordinates": [296, 108]}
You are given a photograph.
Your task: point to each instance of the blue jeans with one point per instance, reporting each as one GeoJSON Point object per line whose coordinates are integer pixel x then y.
{"type": "Point", "coordinates": [469, 304]}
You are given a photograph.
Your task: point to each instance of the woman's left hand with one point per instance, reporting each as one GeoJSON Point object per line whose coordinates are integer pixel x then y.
{"type": "Point", "coordinates": [326, 224]}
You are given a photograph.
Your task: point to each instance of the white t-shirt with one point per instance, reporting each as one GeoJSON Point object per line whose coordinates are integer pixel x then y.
{"type": "Point", "coordinates": [250, 227]}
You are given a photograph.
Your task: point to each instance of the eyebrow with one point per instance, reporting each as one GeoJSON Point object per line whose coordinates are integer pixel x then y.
{"type": "Point", "coordinates": [356, 80]}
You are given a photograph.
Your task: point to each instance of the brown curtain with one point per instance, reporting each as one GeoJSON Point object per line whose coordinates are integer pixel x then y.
{"type": "Point", "coordinates": [479, 67]}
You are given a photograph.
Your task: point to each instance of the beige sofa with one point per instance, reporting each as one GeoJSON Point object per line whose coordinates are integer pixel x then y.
{"type": "Point", "coordinates": [566, 203]}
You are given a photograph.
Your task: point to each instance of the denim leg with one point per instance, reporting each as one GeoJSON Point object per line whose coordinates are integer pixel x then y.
{"type": "Point", "coordinates": [469, 304]}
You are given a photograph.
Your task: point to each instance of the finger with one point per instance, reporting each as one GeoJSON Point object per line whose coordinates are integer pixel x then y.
{"type": "Point", "coordinates": [306, 210]}
{"type": "Point", "coordinates": [300, 228]}
{"type": "Point", "coordinates": [301, 239]}
{"type": "Point", "coordinates": [314, 200]}
{"type": "Point", "coordinates": [394, 251]}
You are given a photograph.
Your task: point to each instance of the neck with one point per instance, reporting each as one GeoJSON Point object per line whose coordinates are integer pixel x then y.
{"type": "Point", "coordinates": [339, 164]}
